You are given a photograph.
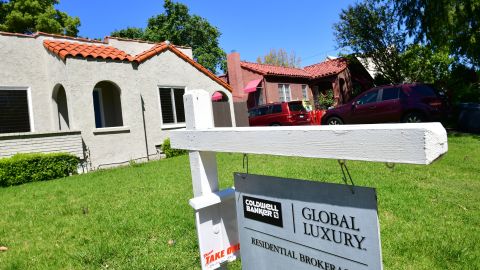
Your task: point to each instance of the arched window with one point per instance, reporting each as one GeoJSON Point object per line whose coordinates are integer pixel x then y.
{"type": "Point", "coordinates": [107, 105]}
{"type": "Point", "coordinates": [60, 108]}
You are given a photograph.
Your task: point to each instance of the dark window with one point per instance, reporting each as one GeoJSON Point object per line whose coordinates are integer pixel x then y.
{"type": "Point", "coordinates": [107, 105]}
{"type": "Point", "coordinates": [296, 107]}
{"type": "Point", "coordinates": [263, 111]}
{"type": "Point", "coordinates": [179, 108]}
{"type": "Point", "coordinates": [369, 97]}
{"type": "Point", "coordinates": [424, 90]}
{"type": "Point", "coordinates": [96, 109]}
{"type": "Point", "coordinates": [390, 93]}
{"type": "Point", "coordinates": [14, 115]}
{"type": "Point", "coordinates": [171, 102]}
{"type": "Point", "coordinates": [277, 108]}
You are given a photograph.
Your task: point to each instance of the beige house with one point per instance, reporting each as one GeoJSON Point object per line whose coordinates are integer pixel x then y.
{"type": "Point", "coordinates": [109, 102]}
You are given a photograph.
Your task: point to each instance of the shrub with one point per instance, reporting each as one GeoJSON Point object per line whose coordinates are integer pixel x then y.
{"type": "Point", "coordinates": [24, 168]}
{"type": "Point", "coordinates": [326, 100]}
{"type": "Point", "coordinates": [169, 152]}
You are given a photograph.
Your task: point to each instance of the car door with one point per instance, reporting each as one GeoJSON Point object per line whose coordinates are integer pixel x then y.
{"type": "Point", "coordinates": [364, 109]}
{"type": "Point", "coordinates": [388, 109]}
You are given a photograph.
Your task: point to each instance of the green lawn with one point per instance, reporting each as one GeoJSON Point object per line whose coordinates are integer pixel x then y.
{"type": "Point", "coordinates": [124, 218]}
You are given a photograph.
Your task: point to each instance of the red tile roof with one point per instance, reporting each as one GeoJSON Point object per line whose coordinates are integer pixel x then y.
{"type": "Point", "coordinates": [65, 48]}
{"type": "Point", "coordinates": [327, 68]}
{"type": "Point", "coordinates": [156, 49]}
{"type": "Point", "coordinates": [275, 70]}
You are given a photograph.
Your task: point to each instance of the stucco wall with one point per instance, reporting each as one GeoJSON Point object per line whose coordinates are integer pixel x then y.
{"type": "Point", "coordinates": [130, 47]}
{"type": "Point", "coordinates": [25, 62]}
{"type": "Point", "coordinates": [167, 70]}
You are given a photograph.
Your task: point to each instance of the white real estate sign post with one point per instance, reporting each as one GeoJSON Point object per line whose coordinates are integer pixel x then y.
{"type": "Point", "coordinates": [215, 211]}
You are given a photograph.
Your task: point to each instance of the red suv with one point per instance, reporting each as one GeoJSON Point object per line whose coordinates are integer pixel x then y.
{"type": "Point", "coordinates": [410, 103]}
{"type": "Point", "coordinates": [279, 114]}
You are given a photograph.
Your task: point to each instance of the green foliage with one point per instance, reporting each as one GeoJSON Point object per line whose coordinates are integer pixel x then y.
{"type": "Point", "coordinates": [462, 84]}
{"type": "Point", "coordinates": [24, 168]}
{"type": "Point", "coordinates": [370, 29]}
{"type": "Point", "coordinates": [169, 152]}
{"type": "Point", "coordinates": [178, 26]}
{"type": "Point", "coordinates": [326, 100]}
{"type": "Point", "coordinates": [454, 24]}
{"type": "Point", "coordinates": [28, 16]}
{"type": "Point", "coordinates": [423, 64]}
{"type": "Point", "coordinates": [374, 31]}
{"type": "Point", "coordinates": [129, 32]}
{"type": "Point", "coordinates": [280, 58]}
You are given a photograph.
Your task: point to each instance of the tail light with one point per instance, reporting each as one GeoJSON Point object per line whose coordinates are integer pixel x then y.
{"type": "Point", "coordinates": [435, 103]}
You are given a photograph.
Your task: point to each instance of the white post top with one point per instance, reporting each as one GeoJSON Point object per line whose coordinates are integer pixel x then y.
{"type": "Point", "coordinates": [399, 143]}
{"type": "Point", "coordinates": [199, 112]}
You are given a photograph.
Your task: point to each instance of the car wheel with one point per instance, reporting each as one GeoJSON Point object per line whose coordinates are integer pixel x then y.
{"type": "Point", "coordinates": [275, 124]}
{"type": "Point", "coordinates": [334, 121]}
{"type": "Point", "coordinates": [413, 117]}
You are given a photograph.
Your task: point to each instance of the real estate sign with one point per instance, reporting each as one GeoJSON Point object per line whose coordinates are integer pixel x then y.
{"type": "Point", "coordinates": [297, 224]}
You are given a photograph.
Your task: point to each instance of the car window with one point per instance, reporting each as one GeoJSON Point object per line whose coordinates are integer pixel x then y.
{"type": "Point", "coordinates": [262, 111]}
{"type": "Point", "coordinates": [424, 90]}
{"type": "Point", "coordinates": [296, 107]}
{"type": "Point", "coordinates": [390, 93]}
{"type": "Point", "coordinates": [277, 108]}
{"type": "Point", "coordinates": [369, 97]}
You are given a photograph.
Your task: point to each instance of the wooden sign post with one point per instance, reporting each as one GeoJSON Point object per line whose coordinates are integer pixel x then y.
{"type": "Point", "coordinates": [215, 210]}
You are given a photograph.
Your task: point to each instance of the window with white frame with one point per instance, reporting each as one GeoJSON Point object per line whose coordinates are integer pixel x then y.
{"type": "Point", "coordinates": [107, 105]}
{"type": "Point", "coordinates": [14, 110]}
{"type": "Point", "coordinates": [305, 91]}
{"type": "Point", "coordinates": [284, 92]}
{"type": "Point", "coordinates": [171, 103]}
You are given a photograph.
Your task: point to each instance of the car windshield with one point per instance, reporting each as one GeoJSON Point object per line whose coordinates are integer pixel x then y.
{"type": "Point", "coordinates": [296, 107]}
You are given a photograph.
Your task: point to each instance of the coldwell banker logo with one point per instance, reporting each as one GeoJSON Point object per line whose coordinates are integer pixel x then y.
{"type": "Point", "coordinates": [266, 211]}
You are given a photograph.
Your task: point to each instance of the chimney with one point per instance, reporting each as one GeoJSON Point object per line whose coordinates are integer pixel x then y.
{"type": "Point", "coordinates": [235, 76]}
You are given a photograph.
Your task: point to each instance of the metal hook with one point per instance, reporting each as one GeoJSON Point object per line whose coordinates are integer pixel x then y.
{"type": "Point", "coordinates": [245, 157]}
{"type": "Point", "coordinates": [343, 164]}
{"type": "Point", "coordinates": [390, 165]}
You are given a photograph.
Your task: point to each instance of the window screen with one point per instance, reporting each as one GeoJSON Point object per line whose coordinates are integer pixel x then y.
{"type": "Point", "coordinates": [284, 92]}
{"type": "Point", "coordinates": [14, 115]}
{"type": "Point", "coordinates": [167, 105]}
{"type": "Point", "coordinates": [305, 92]}
{"type": "Point", "coordinates": [171, 102]}
{"type": "Point", "coordinates": [179, 109]}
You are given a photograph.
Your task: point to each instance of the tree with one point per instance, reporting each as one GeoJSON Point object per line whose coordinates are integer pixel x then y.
{"type": "Point", "coordinates": [29, 16]}
{"type": "Point", "coordinates": [280, 58]}
{"type": "Point", "coordinates": [454, 24]}
{"type": "Point", "coordinates": [370, 29]}
{"type": "Point", "coordinates": [178, 26]}
{"type": "Point", "coordinates": [129, 32]}
{"type": "Point", "coordinates": [423, 64]}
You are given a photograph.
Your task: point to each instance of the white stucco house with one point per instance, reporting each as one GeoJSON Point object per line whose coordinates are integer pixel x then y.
{"type": "Point", "coordinates": [109, 102]}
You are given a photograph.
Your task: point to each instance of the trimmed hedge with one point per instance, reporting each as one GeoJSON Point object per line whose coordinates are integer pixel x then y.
{"type": "Point", "coordinates": [169, 152]}
{"type": "Point", "coordinates": [24, 168]}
